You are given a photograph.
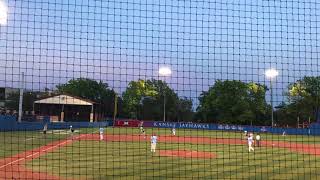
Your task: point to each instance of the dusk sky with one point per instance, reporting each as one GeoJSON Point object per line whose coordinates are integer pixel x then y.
{"type": "Point", "coordinates": [117, 41]}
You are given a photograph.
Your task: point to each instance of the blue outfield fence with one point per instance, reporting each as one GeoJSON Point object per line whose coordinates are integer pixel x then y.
{"type": "Point", "coordinates": [313, 130]}
{"type": "Point", "coordinates": [9, 123]}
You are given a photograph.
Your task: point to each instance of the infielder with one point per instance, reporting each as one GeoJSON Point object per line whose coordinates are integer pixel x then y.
{"type": "Point", "coordinates": [141, 130]}
{"type": "Point", "coordinates": [101, 132]}
{"type": "Point", "coordinates": [154, 140]}
{"type": "Point", "coordinates": [173, 131]}
{"type": "Point", "coordinates": [250, 142]}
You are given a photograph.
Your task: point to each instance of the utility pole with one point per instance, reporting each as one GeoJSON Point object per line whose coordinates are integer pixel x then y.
{"type": "Point", "coordinates": [21, 96]}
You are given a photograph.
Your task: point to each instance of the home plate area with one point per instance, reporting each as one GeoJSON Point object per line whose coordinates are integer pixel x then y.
{"type": "Point", "coordinates": [187, 154]}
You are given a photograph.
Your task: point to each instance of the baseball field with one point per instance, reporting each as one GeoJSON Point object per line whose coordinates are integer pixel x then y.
{"type": "Point", "coordinates": [125, 154]}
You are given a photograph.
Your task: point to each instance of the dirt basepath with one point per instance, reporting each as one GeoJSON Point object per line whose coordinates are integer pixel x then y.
{"type": "Point", "coordinates": [14, 167]}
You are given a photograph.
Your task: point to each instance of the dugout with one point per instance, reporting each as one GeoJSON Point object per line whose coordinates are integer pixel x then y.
{"type": "Point", "coordinates": [66, 108]}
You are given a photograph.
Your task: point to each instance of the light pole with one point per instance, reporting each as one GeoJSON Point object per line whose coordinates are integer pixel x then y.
{"type": "Point", "coordinates": [21, 97]}
{"type": "Point", "coordinates": [271, 73]}
{"type": "Point", "coordinates": [164, 71]}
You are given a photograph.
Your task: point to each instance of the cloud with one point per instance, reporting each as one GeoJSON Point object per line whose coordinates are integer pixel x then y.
{"type": "Point", "coordinates": [3, 13]}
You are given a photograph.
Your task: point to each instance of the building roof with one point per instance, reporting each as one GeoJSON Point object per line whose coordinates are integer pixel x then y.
{"type": "Point", "coordinates": [65, 99]}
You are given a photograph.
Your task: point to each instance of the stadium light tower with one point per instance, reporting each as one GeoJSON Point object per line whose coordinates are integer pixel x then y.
{"type": "Point", "coordinates": [271, 74]}
{"type": "Point", "coordinates": [165, 72]}
{"type": "Point", "coordinates": [3, 13]}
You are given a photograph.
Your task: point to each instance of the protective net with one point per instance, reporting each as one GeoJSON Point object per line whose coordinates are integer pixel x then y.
{"type": "Point", "coordinates": [170, 89]}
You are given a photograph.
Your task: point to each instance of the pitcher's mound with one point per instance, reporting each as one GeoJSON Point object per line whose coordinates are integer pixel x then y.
{"type": "Point", "coordinates": [186, 154]}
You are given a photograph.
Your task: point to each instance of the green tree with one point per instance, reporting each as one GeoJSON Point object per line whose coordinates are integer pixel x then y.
{"type": "Point", "coordinates": [98, 92]}
{"type": "Point", "coordinates": [184, 110]}
{"type": "Point", "coordinates": [233, 102]}
{"type": "Point", "coordinates": [12, 102]}
{"type": "Point", "coordinates": [258, 104]}
{"type": "Point", "coordinates": [286, 114]}
{"type": "Point", "coordinates": [29, 97]}
{"type": "Point", "coordinates": [134, 96]}
{"type": "Point", "coordinates": [303, 97]}
{"type": "Point", "coordinates": [144, 100]}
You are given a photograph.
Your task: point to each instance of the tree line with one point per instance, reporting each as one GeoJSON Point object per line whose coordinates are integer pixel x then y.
{"type": "Point", "coordinates": [229, 101]}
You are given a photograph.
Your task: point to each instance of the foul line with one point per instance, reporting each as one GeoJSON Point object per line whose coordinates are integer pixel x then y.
{"type": "Point", "coordinates": [30, 139]}
{"type": "Point", "coordinates": [64, 142]}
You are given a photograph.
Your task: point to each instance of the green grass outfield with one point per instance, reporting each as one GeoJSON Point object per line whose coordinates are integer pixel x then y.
{"type": "Point", "coordinates": [218, 134]}
{"type": "Point", "coordinates": [132, 160]}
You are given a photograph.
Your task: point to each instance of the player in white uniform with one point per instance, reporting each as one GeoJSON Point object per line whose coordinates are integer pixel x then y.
{"type": "Point", "coordinates": [71, 129]}
{"type": "Point", "coordinates": [141, 130]}
{"type": "Point", "coordinates": [250, 142]}
{"type": "Point", "coordinates": [141, 127]}
{"type": "Point", "coordinates": [173, 131]}
{"type": "Point", "coordinates": [154, 140]}
{"type": "Point", "coordinates": [45, 128]}
{"type": "Point", "coordinates": [101, 132]}
{"type": "Point", "coordinates": [284, 133]}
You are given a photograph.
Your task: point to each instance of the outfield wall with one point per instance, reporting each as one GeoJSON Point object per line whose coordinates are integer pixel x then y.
{"type": "Point", "coordinates": [313, 130]}
{"type": "Point", "coordinates": [9, 123]}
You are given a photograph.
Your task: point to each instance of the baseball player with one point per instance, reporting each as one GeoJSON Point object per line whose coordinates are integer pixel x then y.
{"type": "Point", "coordinates": [143, 132]}
{"type": "Point", "coordinates": [45, 128]}
{"type": "Point", "coordinates": [154, 140]}
{"type": "Point", "coordinates": [71, 129]}
{"type": "Point", "coordinates": [141, 127]}
{"type": "Point", "coordinates": [101, 132]}
{"type": "Point", "coordinates": [284, 133]}
{"type": "Point", "coordinates": [250, 142]}
{"type": "Point", "coordinates": [173, 131]}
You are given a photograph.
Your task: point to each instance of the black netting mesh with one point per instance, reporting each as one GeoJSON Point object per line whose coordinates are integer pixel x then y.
{"type": "Point", "coordinates": [135, 89]}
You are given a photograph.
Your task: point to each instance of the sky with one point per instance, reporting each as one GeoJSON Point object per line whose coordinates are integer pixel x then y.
{"type": "Point", "coordinates": [117, 41]}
